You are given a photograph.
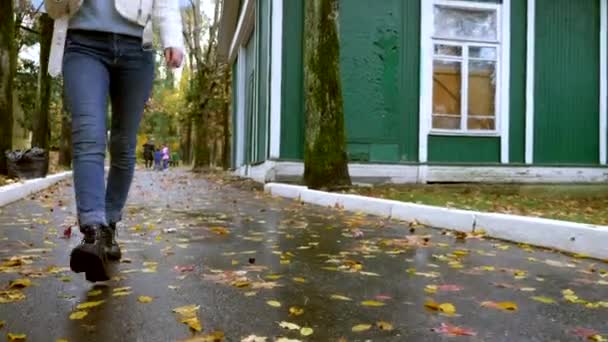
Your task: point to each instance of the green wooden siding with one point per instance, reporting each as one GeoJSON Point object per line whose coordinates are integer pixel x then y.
{"type": "Point", "coordinates": [372, 68]}
{"type": "Point", "coordinates": [263, 78]}
{"type": "Point", "coordinates": [410, 80]}
{"type": "Point", "coordinates": [517, 110]}
{"type": "Point", "coordinates": [449, 149]}
{"type": "Point", "coordinates": [292, 100]}
{"type": "Point", "coordinates": [566, 113]}
{"type": "Point", "coordinates": [250, 100]}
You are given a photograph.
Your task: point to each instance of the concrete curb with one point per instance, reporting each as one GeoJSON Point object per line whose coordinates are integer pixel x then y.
{"type": "Point", "coordinates": [14, 192]}
{"type": "Point", "coordinates": [566, 236]}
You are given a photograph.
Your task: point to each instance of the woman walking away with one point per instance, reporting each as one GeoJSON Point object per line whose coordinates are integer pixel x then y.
{"type": "Point", "coordinates": [108, 54]}
{"type": "Point", "coordinates": [166, 157]}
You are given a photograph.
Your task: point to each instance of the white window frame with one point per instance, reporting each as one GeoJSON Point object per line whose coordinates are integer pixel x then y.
{"type": "Point", "coordinates": [502, 44]}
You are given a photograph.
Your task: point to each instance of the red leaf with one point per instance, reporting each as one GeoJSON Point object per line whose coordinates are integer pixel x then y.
{"type": "Point", "coordinates": [67, 233]}
{"type": "Point", "coordinates": [383, 297]}
{"type": "Point", "coordinates": [449, 288]}
{"type": "Point", "coordinates": [452, 330]}
{"type": "Point", "coordinates": [584, 332]}
{"type": "Point", "coordinates": [183, 269]}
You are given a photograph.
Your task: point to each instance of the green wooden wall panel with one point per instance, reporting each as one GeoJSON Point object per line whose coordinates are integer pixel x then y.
{"type": "Point", "coordinates": [410, 81]}
{"type": "Point", "coordinates": [380, 66]}
{"type": "Point", "coordinates": [250, 98]}
{"type": "Point", "coordinates": [517, 119]}
{"type": "Point", "coordinates": [370, 65]}
{"type": "Point", "coordinates": [292, 104]}
{"type": "Point", "coordinates": [263, 88]}
{"type": "Point", "coordinates": [454, 149]}
{"type": "Point", "coordinates": [566, 118]}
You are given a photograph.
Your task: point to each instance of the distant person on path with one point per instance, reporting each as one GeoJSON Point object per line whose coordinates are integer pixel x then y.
{"type": "Point", "coordinates": [158, 158]}
{"type": "Point", "coordinates": [149, 154]}
{"type": "Point", "coordinates": [107, 54]}
{"type": "Point", "coordinates": [166, 157]}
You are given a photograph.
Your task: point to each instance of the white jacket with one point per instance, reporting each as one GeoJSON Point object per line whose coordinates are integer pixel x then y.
{"type": "Point", "coordinates": [164, 13]}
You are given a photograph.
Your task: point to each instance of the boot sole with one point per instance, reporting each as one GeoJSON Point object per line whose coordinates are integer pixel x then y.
{"type": "Point", "coordinates": [90, 263]}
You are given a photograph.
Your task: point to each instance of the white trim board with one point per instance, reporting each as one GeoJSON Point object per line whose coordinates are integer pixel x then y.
{"type": "Point", "coordinates": [243, 29]}
{"type": "Point", "coordinates": [271, 171]}
{"type": "Point", "coordinates": [17, 191]}
{"type": "Point", "coordinates": [276, 78]}
{"type": "Point", "coordinates": [530, 55]}
{"type": "Point", "coordinates": [505, 82]}
{"type": "Point", "coordinates": [603, 80]}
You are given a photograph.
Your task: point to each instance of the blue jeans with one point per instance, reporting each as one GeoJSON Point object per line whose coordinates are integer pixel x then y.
{"type": "Point", "coordinates": [98, 66]}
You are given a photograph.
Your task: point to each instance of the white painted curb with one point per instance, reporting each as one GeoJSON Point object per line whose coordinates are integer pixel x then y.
{"type": "Point", "coordinates": [14, 192]}
{"type": "Point", "coordinates": [566, 236]}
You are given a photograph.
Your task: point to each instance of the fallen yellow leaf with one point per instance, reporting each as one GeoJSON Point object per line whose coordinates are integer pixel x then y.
{"type": "Point", "coordinates": [11, 296]}
{"type": "Point", "coordinates": [447, 308]}
{"type": "Point", "coordinates": [193, 323]}
{"type": "Point", "coordinates": [94, 293]}
{"type": "Point", "coordinates": [274, 303]}
{"type": "Point", "coordinates": [122, 289]}
{"type": "Point", "coordinates": [339, 297]}
{"type": "Point", "coordinates": [373, 303]}
{"type": "Point", "coordinates": [361, 327]}
{"type": "Point", "coordinates": [299, 280]}
{"type": "Point", "coordinates": [145, 299]}
{"type": "Point", "coordinates": [89, 305]}
{"type": "Point", "coordinates": [430, 289]}
{"type": "Point", "coordinates": [187, 310]}
{"type": "Point", "coordinates": [295, 311]}
{"type": "Point", "coordinates": [543, 299]}
{"type": "Point", "coordinates": [306, 331]}
{"type": "Point", "coordinates": [507, 306]}
{"type": "Point", "coordinates": [385, 326]}
{"type": "Point", "coordinates": [20, 283]}
{"type": "Point", "coordinates": [289, 325]}
{"type": "Point", "coordinates": [432, 305]}
{"type": "Point", "coordinates": [78, 315]}
{"type": "Point", "coordinates": [16, 337]}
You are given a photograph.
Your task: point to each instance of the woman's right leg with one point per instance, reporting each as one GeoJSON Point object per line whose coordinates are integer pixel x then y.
{"type": "Point", "coordinates": [86, 87]}
{"type": "Point", "coordinates": [86, 82]}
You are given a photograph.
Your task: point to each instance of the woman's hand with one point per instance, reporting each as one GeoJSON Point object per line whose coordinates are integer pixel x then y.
{"type": "Point", "coordinates": [174, 57]}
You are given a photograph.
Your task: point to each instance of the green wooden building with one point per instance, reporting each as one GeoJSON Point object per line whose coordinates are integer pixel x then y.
{"type": "Point", "coordinates": [434, 90]}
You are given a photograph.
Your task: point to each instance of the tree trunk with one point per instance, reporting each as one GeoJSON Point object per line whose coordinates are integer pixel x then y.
{"type": "Point", "coordinates": [201, 148]}
{"type": "Point", "coordinates": [8, 59]}
{"type": "Point", "coordinates": [226, 121]}
{"type": "Point", "coordinates": [325, 159]}
{"type": "Point", "coordinates": [41, 133]}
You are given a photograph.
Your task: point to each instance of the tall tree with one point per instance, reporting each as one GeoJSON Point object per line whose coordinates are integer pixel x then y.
{"type": "Point", "coordinates": [41, 133]}
{"type": "Point", "coordinates": [8, 58]}
{"type": "Point", "coordinates": [206, 84]}
{"type": "Point", "coordinates": [325, 158]}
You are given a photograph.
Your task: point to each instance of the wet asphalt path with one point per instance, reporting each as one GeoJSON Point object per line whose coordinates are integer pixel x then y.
{"type": "Point", "coordinates": [251, 262]}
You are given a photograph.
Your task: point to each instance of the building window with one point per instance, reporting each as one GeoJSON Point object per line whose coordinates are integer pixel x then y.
{"type": "Point", "coordinates": [466, 65]}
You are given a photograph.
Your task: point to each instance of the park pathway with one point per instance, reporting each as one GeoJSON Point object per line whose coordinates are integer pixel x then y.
{"type": "Point", "coordinates": [237, 263]}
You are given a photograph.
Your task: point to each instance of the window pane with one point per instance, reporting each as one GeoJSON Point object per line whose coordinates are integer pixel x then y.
{"type": "Point", "coordinates": [462, 23]}
{"type": "Point", "coordinates": [481, 124]}
{"type": "Point", "coordinates": [485, 52]}
{"type": "Point", "coordinates": [482, 94]}
{"type": "Point", "coordinates": [446, 122]}
{"type": "Point", "coordinates": [448, 50]}
{"type": "Point", "coordinates": [447, 84]}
